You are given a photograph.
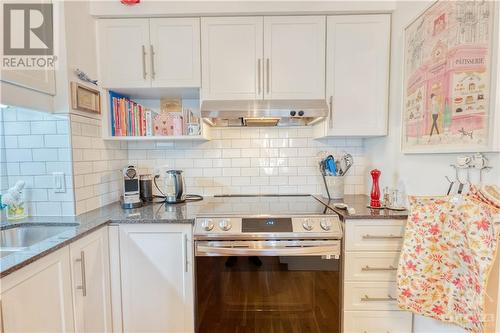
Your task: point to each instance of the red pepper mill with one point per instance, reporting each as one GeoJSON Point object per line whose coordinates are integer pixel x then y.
{"type": "Point", "coordinates": [375, 193]}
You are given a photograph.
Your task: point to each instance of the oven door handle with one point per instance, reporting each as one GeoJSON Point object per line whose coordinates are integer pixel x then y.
{"type": "Point", "coordinates": [328, 252]}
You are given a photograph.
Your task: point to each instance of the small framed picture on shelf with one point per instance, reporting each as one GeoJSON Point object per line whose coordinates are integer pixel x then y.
{"type": "Point", "coordinates": [84, 98]}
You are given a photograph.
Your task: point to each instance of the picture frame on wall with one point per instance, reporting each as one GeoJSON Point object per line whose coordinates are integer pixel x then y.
{"type": "Point", "coordinates": [449, 79]}
{"type": "Point", "coordinates": [85, 99]}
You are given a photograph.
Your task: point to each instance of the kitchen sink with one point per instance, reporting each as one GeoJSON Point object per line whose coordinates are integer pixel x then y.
{"type": "Point", "coordinates": [20, 237]}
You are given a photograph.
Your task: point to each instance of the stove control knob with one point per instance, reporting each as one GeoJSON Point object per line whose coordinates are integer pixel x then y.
{"type": "Point", "coordinates": [207, 225]}
{"type": "Point", "coordinates": [326, 224]}
{"type": "Point", "coordinates": [225, 225]}
{"type": "Point", "coordinates": [308, 225]}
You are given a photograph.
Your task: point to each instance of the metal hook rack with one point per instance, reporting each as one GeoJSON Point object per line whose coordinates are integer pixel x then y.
{"type": "Point", "coordinates": [475, 162]}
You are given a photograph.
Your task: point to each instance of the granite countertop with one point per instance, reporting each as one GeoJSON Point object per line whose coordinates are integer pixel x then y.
{"type": "Point", "coordinates": [359, 203]}
{"type": "Point", "coordinates": [71, 228]}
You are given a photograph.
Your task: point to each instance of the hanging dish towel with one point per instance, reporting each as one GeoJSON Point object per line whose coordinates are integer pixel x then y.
{"type": "Point", "coordinates": [447, 255]}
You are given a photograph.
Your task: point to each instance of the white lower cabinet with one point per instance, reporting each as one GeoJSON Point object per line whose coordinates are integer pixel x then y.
{"type": "Point", "coordinates": [156, 269]}
{"type": "Point", "coordinates": [37, 298]}
{"type": "Point", "coordinates": [371, 254]}
{"type": "Point", "coordinates": [90, 281]}
{"type": "Point", "coordinates": [377, 322]}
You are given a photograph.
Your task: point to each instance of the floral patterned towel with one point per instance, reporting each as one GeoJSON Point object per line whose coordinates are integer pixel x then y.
{"type": "Point", "coordinates": [447, 254]}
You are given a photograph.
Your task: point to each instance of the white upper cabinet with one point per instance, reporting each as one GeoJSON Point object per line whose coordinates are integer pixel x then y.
{"type": "Point", "coordinates": [91, 286]}
{"type": "Point", "coordinates": [156, 262]}
{"type": "Point", "coordinates": [232, 51]}
{"type": "Point", "coordinates": [294, 56]}
{"type": "Point", "coordinates": [138, 53]}
{"type": "Point", "coordinates": [357, 75]}
{"type": "Point", "coordinates": [263, 57]}
{"type": "Point", "coordinates": [175, 52]}
{"type": "Point", "coordinates": [39, 80]}
{"type": "Point", "coordinates": [124, 53]}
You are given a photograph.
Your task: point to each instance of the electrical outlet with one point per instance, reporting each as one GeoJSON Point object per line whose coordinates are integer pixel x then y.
{"type": "Point", "coordinates": [59, 185]}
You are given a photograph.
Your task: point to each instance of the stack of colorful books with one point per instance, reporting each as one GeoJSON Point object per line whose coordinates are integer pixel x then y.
{"type": "Point", "coordinates": [129, 118]}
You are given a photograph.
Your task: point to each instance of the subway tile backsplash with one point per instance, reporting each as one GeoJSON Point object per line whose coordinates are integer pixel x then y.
{"type": "Point", "coordinates": [97, 165]}
{"type": "Point", "coordinates": [34, 145]}
{"type": "Point", "coordinates": [250, 160]}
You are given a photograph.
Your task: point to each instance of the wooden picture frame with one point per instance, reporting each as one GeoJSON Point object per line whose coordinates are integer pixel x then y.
{"type": "Point", "coordinates": [434, 115]}
{"type": "Point", "coordinates": [85, 99]}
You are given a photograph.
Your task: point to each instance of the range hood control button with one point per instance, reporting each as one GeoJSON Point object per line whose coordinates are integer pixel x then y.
{"type": "Point", "coordinates": [225, 225]}
{"type": "Point", "coordinates": [301, 113]}
{"type": "Point", "coordinates": [293, 113]}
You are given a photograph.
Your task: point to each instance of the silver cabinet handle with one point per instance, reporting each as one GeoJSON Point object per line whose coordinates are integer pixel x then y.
{"type": "Point", "coordinates": [368, 268]}
{"type": "Point", "coordinates": [389, 298]}
{"type": "Point", "coordinates": [330, 120]}
{"type": "Point", "coordinates": [390, 236]}
{"type": "Point", "coordinates": [144, 62]}
{"type": "Point", "coordinates": [83, 287]}
{"type": "Point", "coordinates": [267, 75]}
{"type": "Point", "coordinates": [258, 75]}
{"type": "Point", "coordinates": [185, 253]}
{"type": "Point", "coordinates": [152, 55]}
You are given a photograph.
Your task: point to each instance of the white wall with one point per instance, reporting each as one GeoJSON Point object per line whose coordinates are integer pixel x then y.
{"type": "Point", "coordinates": [233, 7]}
{"type": "Point", "coordinates": [422, 174]}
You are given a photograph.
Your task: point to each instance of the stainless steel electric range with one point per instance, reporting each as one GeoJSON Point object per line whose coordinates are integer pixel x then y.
{"type": "Point", "coordinates": [267, 264]}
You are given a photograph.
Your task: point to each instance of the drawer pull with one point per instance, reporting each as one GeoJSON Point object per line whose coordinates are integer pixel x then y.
{"type": "Point", "coordinates": [389, 298]}
{"type": "Point", "coordinates": [368, 268]}
{"type": "Point", "coordinates": [391, 236]}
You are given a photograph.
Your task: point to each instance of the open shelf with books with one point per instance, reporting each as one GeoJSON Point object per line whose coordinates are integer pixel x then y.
{"type": "Point", "coordinates": [129, 117]}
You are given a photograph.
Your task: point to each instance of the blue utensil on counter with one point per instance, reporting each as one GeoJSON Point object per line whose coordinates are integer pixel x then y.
{"type": "Point", "coordinates": [330, 165]}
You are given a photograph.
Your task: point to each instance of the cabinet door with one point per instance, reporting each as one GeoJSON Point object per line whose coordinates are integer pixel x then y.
{"type": "Point", "coordinates": [124, 53]}
{"type": "Point", "coordinates": [91, 290]}
{"type": "Point", "coordinates": [231, 57]}
{"type": "Point", "coordinates": [357, 74]}
{"type": "Point", "coordinates": [39, 80]}
{"type": "Point", "coordinates": [175, 52]}
{"type": "Point", "coordinates": [37, 298]}
{"type": "Point", "coordinates": [294, 55]}
{"type": "Point", "coordinates": [157, 278]}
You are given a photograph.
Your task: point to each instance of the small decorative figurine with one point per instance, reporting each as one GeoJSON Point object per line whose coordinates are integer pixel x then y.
{"type": "Point", "coordinates": [84, 77]}
{"type": "Point", "coordinates": [375, 193]}
{"type": "Point", "coordinates": [14, 201]}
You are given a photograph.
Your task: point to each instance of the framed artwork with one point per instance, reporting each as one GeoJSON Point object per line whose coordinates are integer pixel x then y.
{"type": "Point", "coordinates": [84, 98]}
{"type": "Point", "coordinates": [448, 100]}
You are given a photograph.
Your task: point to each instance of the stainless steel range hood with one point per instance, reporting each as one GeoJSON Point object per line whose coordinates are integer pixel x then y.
{"type": "Point", "coordinates": [264, 112]}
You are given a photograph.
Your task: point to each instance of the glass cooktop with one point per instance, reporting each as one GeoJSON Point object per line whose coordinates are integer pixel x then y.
{"type": "Point", "coordinates": [265, 205]}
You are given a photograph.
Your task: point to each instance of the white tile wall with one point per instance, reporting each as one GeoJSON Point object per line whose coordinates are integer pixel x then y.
{"type": "Point", "coordinates": [34, 145]}
{"type": "Point", "coordinates": [250, 160]}
{"type": "Point", "coordinates": [97, 165]}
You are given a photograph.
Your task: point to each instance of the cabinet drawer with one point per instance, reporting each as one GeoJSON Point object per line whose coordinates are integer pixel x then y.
{"type": "Point", "coordinates": [378, 266]}
{"type": "Point", "coordinates": [377, 322]}
{"type": "Point", "coordinates": [369, 235]}
{"type": "Point", "coordinates": [370, 296]}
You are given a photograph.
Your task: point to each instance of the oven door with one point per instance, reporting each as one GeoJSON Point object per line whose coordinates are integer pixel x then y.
{"type": "Point", "coordinates": [276, 286]}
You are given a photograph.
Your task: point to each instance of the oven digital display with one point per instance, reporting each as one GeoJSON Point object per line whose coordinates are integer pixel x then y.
{"type": "Point", "coordinates": [267, 225]}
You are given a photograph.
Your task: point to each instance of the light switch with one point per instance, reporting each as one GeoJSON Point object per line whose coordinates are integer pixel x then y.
{"type": "Point", "coordinates": [59, 182]}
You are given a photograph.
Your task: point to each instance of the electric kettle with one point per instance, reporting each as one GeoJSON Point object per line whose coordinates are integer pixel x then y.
{"type": "Point", "coordinates": [174, 187]}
